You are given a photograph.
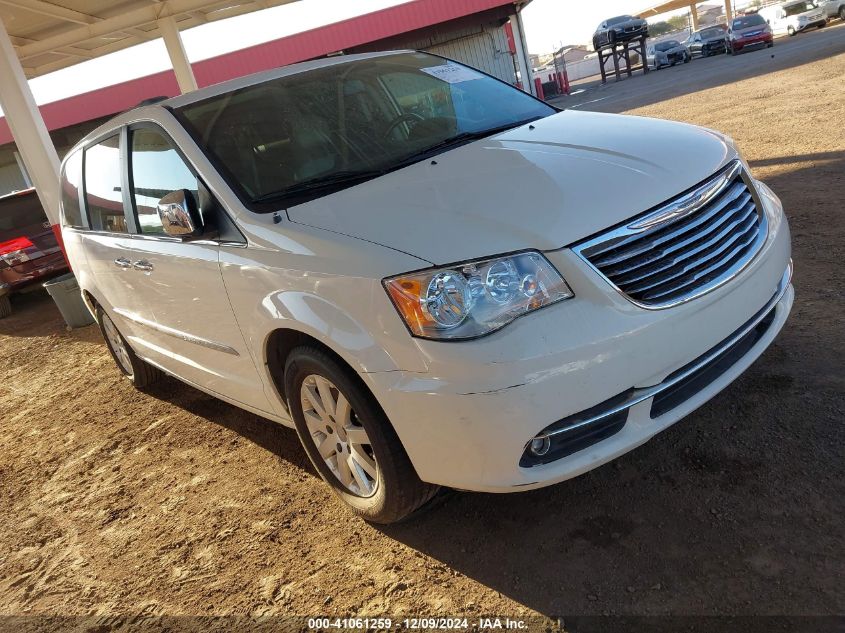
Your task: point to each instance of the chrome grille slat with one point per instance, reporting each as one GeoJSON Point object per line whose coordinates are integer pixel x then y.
{"type": "Point", "coordinates": [697, 220]}
{"type": "Point", "coordinates": [687, 247]}
{"type": "Point", "coordinates": [687, 254]}
{"type": "Point", "coordinates": [677, 243]}
{"type": "Point", "coordinates": [699, 275]}
{"type": "Point", "coordinates": [733, 239]}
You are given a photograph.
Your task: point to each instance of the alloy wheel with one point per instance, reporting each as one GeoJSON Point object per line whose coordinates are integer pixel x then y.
{"type": "Point", "coordinates": [339, 436]}
{"type": "Point", "coordinates": [115, 341]}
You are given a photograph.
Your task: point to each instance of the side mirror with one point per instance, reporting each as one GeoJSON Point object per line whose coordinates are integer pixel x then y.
{"type": "Point", "coordinates": [179, 214]}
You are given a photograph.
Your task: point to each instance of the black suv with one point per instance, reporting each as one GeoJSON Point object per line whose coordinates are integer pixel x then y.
{"type": "Point", "coordinates": [619, 29]}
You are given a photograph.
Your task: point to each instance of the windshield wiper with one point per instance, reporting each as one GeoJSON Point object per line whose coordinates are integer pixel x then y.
{"type": "Point", "coordinates": [336, 179]}
{"type": "Point", "coordinates": [461, 139]}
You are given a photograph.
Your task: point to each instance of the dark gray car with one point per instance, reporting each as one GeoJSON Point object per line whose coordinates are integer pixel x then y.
{"type": "Point", "coordinates": [707, 42]}
{"type": "Point", "coordinates": [619, 29]}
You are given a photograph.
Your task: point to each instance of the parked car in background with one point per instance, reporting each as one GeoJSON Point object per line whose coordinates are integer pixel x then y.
{"type": "Point", "coordinates": [29, 251]}
{"type": "Point", "coordinates": [707, 42]}
{"type": "Point", "coordinates": [748, 31]}
{"type": "Point", "coordinates": [332, 245]}
{"type": "Point", "coordinates": [794, 17]}
{"type": "Point", "coordinates": [619, 29]}
{"type": "Point", "coordinates": [833, 8]}
{"type": "Point", "coordinates": [667, 53]}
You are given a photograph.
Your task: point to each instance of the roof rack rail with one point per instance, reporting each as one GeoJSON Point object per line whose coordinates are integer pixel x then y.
{"type": "Point", "coordinates": [151, 101]}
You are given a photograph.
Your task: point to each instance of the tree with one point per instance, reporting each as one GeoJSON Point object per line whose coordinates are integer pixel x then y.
{"type": "Point", "coordinates": [659, 28]}
{"type": "Point", "coordinates": [678, 22]}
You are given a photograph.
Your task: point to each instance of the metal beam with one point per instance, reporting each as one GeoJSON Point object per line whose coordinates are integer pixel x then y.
{"type": "Point", "coordinates": [51, 10]}
{"type": "Point", "coordinates": [28, 128]}
{"type": "Point", "coordinates": [107, 26]}
{"type": "Point", "coordinates": [178, 56]}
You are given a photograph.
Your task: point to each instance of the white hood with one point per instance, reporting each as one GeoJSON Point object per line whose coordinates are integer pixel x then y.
{"type": "Point", "coordinates": [574, 174]}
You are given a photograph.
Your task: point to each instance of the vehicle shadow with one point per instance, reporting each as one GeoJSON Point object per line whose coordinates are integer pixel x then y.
{"type": "Point", "coordinates": [267, 434]}
{"type": "Point", "coordinates": [33, 314]}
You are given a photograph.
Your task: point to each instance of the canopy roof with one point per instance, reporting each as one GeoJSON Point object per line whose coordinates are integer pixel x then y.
{"type": "Point", "coordinates": [52, 34]}
{"type": "Point", "coordinates": [665, 7]}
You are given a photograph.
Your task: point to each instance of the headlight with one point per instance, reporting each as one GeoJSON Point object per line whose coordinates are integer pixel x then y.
{"type": "Point", "coordinates": [475, 298]}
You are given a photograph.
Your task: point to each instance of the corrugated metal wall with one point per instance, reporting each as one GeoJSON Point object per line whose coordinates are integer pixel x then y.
{"type": "Point", "coordinates": [484, 47]}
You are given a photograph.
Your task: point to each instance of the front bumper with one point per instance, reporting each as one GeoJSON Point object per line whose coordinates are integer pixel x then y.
{"type": "Point", "coordinates": [466, 422]}
{"type": "Point", "coordinates": [750, 42]}
{"type": "Point", "coordinates": [713, 48]}
{"type": "Point", "coordinates": [813, 24]}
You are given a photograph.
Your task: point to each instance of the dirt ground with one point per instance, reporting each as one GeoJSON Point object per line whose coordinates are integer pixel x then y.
{"type": "Point", "coordinates": [118, 502]}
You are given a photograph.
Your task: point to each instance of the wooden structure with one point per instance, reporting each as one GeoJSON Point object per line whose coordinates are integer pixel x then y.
{"type": "Point", "coordinates": [621, 52]}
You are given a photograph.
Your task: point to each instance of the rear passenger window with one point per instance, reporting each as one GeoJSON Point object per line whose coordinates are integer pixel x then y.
{"type": "Point", "coordinates": [103, 194]}
{"type": "Point", "coordinates": [157, 170]}
{"type": "Point", "coordinates": [71, 179]}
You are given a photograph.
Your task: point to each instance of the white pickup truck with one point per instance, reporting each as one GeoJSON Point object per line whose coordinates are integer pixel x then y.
{"type": "Point", "coordinates": [794, 16]}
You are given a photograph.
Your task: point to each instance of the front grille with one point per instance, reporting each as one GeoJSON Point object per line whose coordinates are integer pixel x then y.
{"type": "Point", "coordinates": [687, 247]}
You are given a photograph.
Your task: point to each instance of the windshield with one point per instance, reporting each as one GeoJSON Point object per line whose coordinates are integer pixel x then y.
{"type": "Point", "coordinates": [798, 9]}
{"type": "Point", "coordinates": [665, 46]}
{"type": "Point", "coordinates": [748, 20]}
{"type": "Point", "coordinates": [707, 34]}
{"type": "Point", "coordinates": [278, 140]}
{"type": "Point", "coordinates": [619, 20]}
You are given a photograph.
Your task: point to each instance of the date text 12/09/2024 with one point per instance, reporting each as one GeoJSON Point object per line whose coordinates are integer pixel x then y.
{"type": "Point", "coordinates": [388, 624]}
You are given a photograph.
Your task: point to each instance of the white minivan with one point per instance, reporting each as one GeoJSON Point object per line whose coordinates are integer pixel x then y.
{"type": "Point", "coordinates": [794, 16]}
{"type": "Point", "coordinates": [435, 278]}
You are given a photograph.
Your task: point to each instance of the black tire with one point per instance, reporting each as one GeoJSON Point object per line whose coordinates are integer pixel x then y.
{"type": "Point", "coordinates": [138, 371]}
{"type": "Point", "coordinates": [397, 490]}
{"type": "Point", "coordinates": [770, 45]}
{"type": "Point", "coordinates": [730, 50]}
{"type": "Point", "coordinates": [687, 58]}
{"type": "Point", "coordinates": [5, 306]}
{"type": "Point", "coordinates": [791, 31]}
{"type": "Point", "coordinates": [842, 13]}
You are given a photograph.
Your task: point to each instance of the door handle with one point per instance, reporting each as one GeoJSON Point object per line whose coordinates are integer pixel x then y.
{"type": "Point", "coordinates": [143, 265]}
{"type": "Point", "coordinates": [122, 262]}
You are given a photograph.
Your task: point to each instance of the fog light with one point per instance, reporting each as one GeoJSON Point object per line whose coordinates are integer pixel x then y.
{"type": "Point", "coordinates": [540, 445]}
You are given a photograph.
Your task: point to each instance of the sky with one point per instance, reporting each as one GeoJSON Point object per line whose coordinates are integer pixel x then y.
{"type": "Point", "coordinates": [548, 23]}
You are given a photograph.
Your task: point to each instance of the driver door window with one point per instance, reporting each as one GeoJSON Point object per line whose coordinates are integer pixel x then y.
{"type": "Point", "coordinates": [157, 169]}
{"type": "Point", "coordinates": [103, 193]}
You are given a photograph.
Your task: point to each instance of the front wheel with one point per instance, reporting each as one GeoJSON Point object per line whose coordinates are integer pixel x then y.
{"type": "Point", "coordinates": [842, 13]}
{"type": "Point", "coordinates": [5, 306]}
{"type": "Point", "coordinates": [791, 31]}
{"type": "Point", "coordinates": [350, 440]}
{"type": "Point", "coordinates": [141, 373]}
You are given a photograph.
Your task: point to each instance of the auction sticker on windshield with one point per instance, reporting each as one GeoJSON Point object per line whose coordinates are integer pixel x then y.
{"type": "Point", "coordinates": [452, 73]}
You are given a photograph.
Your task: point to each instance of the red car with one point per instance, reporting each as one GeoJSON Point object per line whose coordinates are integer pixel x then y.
{"type": "Point", "coordinates": [29, 251]}
{"type": "Point", "coordinates": [747, 31]}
